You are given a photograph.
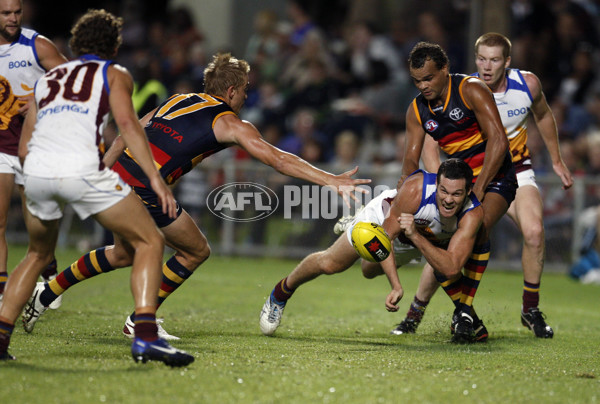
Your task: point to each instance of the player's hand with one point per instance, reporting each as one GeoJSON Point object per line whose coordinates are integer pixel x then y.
{"type": "Point", "coordinates": [347, 186]}
{"type": "Point", "coordinates": [165, 196]}
{"type": "Point", "coordinates": [407, 224]}
{"type": "Point", "coordinates": [26, 102]}
{"type": "Point", "coordinates": [392, 299]}
{"type": "Point", "coordinates": [564, 173]}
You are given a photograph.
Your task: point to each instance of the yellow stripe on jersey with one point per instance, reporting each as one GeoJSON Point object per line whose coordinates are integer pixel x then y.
{"type": "Point", "coordinates": [414, 104]}
{"type": "Point", "coordinates": [460, 91]}
{"type": "Point", "coordinates": [519, 140]}
{"type": "Point", "coordinates": [463, 144]}
{"type": "Point", "coordinates": [220, 115]}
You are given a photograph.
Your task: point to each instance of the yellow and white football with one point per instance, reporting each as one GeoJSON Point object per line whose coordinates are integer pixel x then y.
{"type": "Point", "coordinates": [371, 242]}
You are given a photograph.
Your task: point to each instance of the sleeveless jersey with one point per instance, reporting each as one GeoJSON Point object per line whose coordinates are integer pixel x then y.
{"type": "Point", "coordinates": [180, 135]}
{"type": "Point", "coordinates": [19, 70]}
{"type": "Point", "coordinates": [437, 229]}
{"type": "Point", "coordinates": [455, 128]}
{"type": "Point", "coordinates": [73, 109]}
{"type": "Point", "coordinates": [514, 106]}
{"type": "Point", "coordinates": [434, 227]}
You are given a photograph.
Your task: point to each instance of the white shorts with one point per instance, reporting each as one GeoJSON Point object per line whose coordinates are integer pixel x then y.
{"type": "Point", "coordinates": [375, 212]}
{"type": "Point", "coordinates": [88, 195]}
{"type": "Point", "coordinates": [526, 177]}
{"type": "Point", "coordinates": [11, 165]}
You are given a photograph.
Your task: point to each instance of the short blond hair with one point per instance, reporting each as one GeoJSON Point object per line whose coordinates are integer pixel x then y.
{"type": "Point", "coordinates": [223, 72]}
{"type": "Point", "coordinates": [494, 39]}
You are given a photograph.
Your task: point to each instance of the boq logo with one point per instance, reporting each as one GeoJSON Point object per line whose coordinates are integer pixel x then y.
{"type": "Point", "coordinates": [242, 201]}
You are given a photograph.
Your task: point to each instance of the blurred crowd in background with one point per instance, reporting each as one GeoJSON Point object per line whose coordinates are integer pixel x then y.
{"type": "Point", "coordinates": [329, 80]}
{"type": "Point", "coordinates": [325, 77]}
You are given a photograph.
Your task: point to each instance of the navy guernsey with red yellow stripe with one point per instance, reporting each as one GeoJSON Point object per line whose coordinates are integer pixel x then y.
{"type": "Point", "coordinates": [180, 135]}
{"type": "Point", "coordinates": [454, 126]}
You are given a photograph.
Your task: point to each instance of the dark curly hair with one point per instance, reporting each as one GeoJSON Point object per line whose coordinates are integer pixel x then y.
{"type": "Point", "coordinates": [424, 51]}
{"type": "Point", "coordinates": [97, 32]}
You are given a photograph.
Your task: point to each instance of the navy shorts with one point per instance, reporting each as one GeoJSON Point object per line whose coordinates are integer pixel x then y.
{"type": "Point", "coordinates": [505, 186]}
{"type": "Point", "coordinates": [150, 200]}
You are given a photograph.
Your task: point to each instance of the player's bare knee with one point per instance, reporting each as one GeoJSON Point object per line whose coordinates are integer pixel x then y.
{"type": "Point", "coordinates": [371, 271]}
{"type": "Point", "coordinates": [118, 256]}
{"type": "Point", "coordinates": [201, 254]}
{"type": "Point", "coordinates": [533, 235]}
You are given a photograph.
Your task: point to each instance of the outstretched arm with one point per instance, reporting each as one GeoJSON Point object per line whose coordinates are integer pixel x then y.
{"type": "Point", "coordinates": [231, 129]}
{"type": "Point", "coordinates": [544, 118]}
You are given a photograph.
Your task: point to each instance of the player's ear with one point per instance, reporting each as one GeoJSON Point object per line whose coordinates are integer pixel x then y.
{"type": "Point", "coordinates": [231, 91]}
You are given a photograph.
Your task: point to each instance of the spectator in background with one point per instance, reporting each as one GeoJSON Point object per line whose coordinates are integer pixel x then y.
{"type": "Point", "coordinates": [573, 92]}
{"type": "Point", "coordinates": [263, 47]}
{"type": "Point", "coordinates": [366, 45]}
{"type": "Point", "coordinates": [347, 146]}
{"type": "Point", "coordinates": [303, 127]}
{"type": "Point", "coordinates": [302, 22]}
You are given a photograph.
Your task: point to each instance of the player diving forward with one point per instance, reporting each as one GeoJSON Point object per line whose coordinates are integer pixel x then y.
{"type": "Point", "coordinates": [437, 216]}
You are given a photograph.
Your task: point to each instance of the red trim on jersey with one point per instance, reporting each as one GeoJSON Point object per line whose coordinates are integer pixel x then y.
{"type": "Point", "coordinates": [126, 176]}
{"type": "Point", "coordinates": [159, 156]}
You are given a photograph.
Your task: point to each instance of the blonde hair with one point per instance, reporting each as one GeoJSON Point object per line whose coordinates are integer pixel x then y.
{"type": "Point", "coordinates": [494, 39]}
{"type": "Point", "coordinates": [223, 72]}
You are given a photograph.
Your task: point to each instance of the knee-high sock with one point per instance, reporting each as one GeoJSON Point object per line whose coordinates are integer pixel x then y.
{"type": "Point", "coordinates": [452, 288]}
{"type": "Point", "coordinates": [174, 274]}
{"type": "Point", "coordinates": [89, 265]}
{"type": "Point", "coordinates": [3, 279]}
{"type": "Point", "coordinates": [474, 269]}
{"type": "Point", "coordinates": [531, 296]}
{"type": "Point", "coordinates": [416, 310]}
{"type": "Point", "coordinates": [6, 330]}
{"type": "Point", "coordinates": [145, 326]}
{"type": "Point", "coordinates": [282, 292]}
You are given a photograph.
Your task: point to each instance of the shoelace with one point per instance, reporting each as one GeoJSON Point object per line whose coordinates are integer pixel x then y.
{"type": "Point", "coordinates": [30, 310]}
{"type": "Point", "coordinates": [274, 312]}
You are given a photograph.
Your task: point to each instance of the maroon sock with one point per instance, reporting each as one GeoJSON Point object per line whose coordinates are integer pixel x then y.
{"type": "Point", "coordinates": [50, 270]}
{"type": "Point", "coordinates": [281, 291]}
{"type": "Point", "coordinates": [6, 330]}
{"type": "Point", "coordinates": [145, 326]}
{"type": "Point", "coordinates": [416, 309]}
{"type": "Point", "coordinates": [531, 295]}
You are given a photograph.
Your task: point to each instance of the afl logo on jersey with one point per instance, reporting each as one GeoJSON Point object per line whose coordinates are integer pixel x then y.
{"type": "Point", "coordinates": [431, 125]}
{"type": "Point", "coordinates": [456, 114]}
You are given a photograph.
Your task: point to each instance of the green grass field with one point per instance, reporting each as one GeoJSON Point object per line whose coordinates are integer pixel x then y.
{"type": "Point", "coordinates": [333, 345]}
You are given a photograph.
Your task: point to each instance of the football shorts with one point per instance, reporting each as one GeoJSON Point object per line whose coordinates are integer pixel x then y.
{"type": "Point", "coordinates": [11, 165]}
{"type": "Point", "coordinates": [87, 195]}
